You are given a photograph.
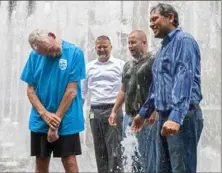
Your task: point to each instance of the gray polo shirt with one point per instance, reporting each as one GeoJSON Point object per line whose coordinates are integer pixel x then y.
{"type": "Point", "coordinates": [136, 79]}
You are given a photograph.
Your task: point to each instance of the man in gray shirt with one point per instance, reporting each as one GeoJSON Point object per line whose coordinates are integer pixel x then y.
{"type": "Point", "coordinates": [136, 80]}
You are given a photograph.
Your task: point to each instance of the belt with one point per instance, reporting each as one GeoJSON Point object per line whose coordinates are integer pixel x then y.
{"type": "Point", "coordinates": [104, 106]}
{"type": "Point", "coordinates": [167, 113]}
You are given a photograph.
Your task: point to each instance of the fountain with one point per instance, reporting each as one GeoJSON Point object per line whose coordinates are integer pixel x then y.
{"type": "Point", "coordinates": [80, 23]}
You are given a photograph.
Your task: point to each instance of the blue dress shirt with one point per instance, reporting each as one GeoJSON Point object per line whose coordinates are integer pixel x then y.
{"type": "Point", "coordinates": [176, 77]}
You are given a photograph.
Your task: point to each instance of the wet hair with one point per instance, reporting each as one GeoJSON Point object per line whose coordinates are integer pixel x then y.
{"type": "Point", "coordinates": [166, 10]}
{"type": "Point", "coordinates": [103, 37]}
{"type": "Point", "coordinates": [141, 34]}
{"type": "Point", "coordinates": [37, 36]}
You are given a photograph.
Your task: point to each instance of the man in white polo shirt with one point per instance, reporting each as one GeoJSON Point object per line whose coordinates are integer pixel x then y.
{"type": "Point", "coordinates": [103, 80]}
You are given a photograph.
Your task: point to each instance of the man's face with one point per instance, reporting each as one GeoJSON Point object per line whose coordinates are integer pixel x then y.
{"type": "Point", "coordinates": [159, 24]}
{"type": "Point", "coordinates": [136, 45]}
{"type": "Point", "coordinates": [48, 47]}
{"type": "Point", "coordinates": [103, 48]}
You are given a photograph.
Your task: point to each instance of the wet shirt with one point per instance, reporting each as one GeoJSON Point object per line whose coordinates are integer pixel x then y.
{"type": "Point", "coordinates": [176, 77]}
{"type": "Point", "coordinates": [50, 76]}
{"type": "Point", "coordinates": [136, 80]}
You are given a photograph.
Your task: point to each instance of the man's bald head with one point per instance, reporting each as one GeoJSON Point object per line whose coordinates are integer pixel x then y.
{"type": "Point", "coordinates": [137, 43]}
{"type": "Point", "coordinates": [141, 35]}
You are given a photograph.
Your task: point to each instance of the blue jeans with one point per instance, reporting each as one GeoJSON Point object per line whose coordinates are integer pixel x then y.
{"type": "Point", "coordinates": [144, 157]}
{"type": "Point", "coordinates": [178, 154]}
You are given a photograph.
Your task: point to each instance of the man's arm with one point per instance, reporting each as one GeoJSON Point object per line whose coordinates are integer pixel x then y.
{"type": "Point", "coordinates": [148, 107]}
{"type": "Point", "coordinates": [146, 111]}
{"type": "Point", "coordinates": [35, 101]}
{"type": "Point", "coordinates": [77, 73]}
{"type": "Point", "coordinates": [119, 101]}
{"type": "Point", "coordinates": [67, 99]}
{"type": "Point", "coordinates": [187, 55]}
{"type": "Point", "coordinates": [50, 118]}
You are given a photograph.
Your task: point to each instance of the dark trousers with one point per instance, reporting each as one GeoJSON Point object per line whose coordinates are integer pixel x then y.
{"type": "Point", "coordinates": [178, 154]}
{"type": "Point", "coordinates": [107, 140]}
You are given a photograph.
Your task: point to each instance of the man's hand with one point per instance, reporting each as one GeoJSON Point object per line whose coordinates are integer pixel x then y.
{"type": "Point", "coordinates": [52, 120]}
{"type": "Point", "coordinates": [137, 123]}
{"type": "Point", "coordinates": [170, 128]}
{"type": "Point", "coordinates": [151, 119]}
{"type": "Point", "coordinates": [52, 135]}
{"type": "Point", "coordinates": [112, 119]}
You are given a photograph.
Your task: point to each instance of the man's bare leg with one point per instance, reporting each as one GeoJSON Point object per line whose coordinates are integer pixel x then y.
{"type": "Point", "coordinates": [42, 164]}
{"type": "Point", "coordinates": [70, 164]}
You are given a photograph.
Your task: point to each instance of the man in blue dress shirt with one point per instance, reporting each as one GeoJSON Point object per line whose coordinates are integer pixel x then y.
{"type": "Point", "coordinates": [175, 94]}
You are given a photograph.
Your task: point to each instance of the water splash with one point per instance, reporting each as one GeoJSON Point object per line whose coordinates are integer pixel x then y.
{"type": "Point", "coordinates": [130, 145]}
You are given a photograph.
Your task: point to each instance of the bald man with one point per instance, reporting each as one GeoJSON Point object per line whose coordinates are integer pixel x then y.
{"type": "Point", "coordinates": [136, 80]}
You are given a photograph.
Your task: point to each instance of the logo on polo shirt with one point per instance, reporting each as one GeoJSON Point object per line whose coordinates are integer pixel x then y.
{"type": "Point", "coordinates": [62, 64]}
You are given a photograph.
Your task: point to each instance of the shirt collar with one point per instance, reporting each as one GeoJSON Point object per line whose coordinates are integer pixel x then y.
{"type": "Point", "coordinates": [111, 59]}
{"type": "Point", "coordinates": [171, 34]}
